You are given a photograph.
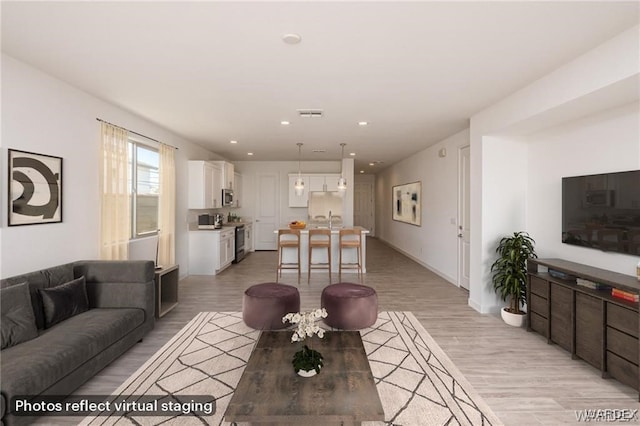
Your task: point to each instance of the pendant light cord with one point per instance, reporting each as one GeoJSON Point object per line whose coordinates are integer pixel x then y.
{"type": "Point", "coordinates": [342, 182]}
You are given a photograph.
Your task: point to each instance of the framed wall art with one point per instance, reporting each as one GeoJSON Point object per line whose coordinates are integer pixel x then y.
{"type": "Point", "coordinates": [407, 203]}
{"type": "Point", "coordinates": [35, 188]}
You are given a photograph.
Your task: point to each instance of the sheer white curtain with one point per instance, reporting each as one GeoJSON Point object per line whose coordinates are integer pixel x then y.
{"type": "Point", "coordinates": [115, 219]}
{"type": "Point", "coordinates": [167, 209]}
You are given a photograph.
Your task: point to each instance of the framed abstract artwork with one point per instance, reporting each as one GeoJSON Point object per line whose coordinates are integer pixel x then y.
{"type": "Point", "coordinates": [35, 188]}
{"type": "Point", "coordinates": [407, 203]}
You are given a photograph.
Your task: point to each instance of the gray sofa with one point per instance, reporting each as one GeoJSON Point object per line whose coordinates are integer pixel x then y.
{"type": "Point", "coordinates": [56, 356]}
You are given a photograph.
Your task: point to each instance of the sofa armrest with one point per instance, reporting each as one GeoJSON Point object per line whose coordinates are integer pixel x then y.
{"type": "Point", "coordinates": [120, 284]}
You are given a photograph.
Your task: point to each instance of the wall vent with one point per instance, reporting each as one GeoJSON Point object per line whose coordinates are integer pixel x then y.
{"type": "Point", "coordinates": [310, 113]}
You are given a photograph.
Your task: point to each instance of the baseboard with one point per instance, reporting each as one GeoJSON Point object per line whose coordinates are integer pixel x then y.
{"type": "Point", "coordinates": [474, 305]}
{"type": "Point", "coordinates": [442, 275]}
{"type": "Point", "coordinates": [491, 310]}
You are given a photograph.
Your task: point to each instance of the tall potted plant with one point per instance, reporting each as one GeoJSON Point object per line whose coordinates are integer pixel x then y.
{"type": "Point", "coordinates": [510, 274]}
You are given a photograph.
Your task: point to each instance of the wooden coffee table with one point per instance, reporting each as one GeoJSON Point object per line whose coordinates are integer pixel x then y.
{"type": "Point", "coordinates": [270, 391]}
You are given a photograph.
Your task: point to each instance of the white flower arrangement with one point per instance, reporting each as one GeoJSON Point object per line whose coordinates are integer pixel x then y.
{"type": "Point", "coordinates": [306, 321]}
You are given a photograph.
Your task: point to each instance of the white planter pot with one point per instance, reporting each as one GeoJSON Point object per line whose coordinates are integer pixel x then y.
{"type": "Point", "coordinates": [513, 319]}
{"type": "Point", "coordinates": [307, 373]}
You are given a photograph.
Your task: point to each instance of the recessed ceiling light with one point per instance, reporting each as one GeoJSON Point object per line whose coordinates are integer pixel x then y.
{"type": "Point", "coordinates": [363, 123]}
{"type": "Point", "coordinates": [291, 38]}
{"type": "Point", "coordinates": [285, 123]}
{"type": "Point", "coordinates": [249, 153]}
{"type": "Point", "coordinates": [361, 171]}
{"type": "Point", "coordinates": [233, 142]}
{"type": "Point", "coordinates": [353, 154]}
{"type": "Point", "coordinates": [372, 164]}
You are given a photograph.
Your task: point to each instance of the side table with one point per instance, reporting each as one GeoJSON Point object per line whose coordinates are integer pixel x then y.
{"type": "Point", "coordinates": [166, 279]}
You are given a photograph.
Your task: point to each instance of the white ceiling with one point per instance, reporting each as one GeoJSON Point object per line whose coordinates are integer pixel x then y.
{"type": "Point", "coordinates": [216, 71]}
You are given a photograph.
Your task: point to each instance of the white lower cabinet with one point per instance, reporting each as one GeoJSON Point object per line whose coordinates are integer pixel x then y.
{"type": "Point", "coordinates": [248, 238]}
{"type": "Point", "coordinates": [227, 247]}
{"type": "Point", "coordinates": [211, 251]}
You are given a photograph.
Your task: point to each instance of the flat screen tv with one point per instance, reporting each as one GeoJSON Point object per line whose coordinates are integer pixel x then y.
{"type": "Point", "coordinates": [602, 211]}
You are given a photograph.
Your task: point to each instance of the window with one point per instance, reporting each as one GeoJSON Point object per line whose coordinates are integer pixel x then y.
{"type": "Point", "coordinates": [144, 187]}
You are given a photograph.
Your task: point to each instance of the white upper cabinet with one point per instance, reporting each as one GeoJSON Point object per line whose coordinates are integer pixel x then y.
{"type": "Point", "coordinates": [228, 177]}
{"type": "Point", "coordinates": [323, 183]}
{"type": "Point", "coordinates": [331, 182]}
{"type": "Point", "coordinates": [316, 183]}
{"type": "Point", "coordinates": [312, 183]}
{"type": "Point", "coordinates": [217, 186]}
{"type": "Point", "coordinates": [237, 189]}
{"type": "Point", "coordinates": [205, 185]}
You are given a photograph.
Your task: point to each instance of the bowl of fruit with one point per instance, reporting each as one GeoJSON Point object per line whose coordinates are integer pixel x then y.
{"type": "Point", "coordinates": [297, 224]}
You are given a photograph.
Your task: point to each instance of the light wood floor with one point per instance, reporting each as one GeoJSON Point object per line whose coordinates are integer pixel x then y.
{"type": "Point", "coordinates": [522, 378]}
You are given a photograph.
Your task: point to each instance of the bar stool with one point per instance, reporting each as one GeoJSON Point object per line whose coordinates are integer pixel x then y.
{"type": "Point", "coordinates": [288, 239]}
{"type": "Point", "coordinates": [351, 239]}
{"type": "Point", "coordinates": [322, 240]}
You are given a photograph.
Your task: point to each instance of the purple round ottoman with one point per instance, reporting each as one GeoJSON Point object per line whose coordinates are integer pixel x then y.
{"type": "Point", "coordinates": [264, 305]}
{"type": "Point", "coordinates": [349, 306]}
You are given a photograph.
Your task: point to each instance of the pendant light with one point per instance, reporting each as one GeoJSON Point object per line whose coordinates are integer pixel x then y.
{"type": "Point", "coordinates": [342, 182]}
{"type": "Point", "coordinates": [298, 186]}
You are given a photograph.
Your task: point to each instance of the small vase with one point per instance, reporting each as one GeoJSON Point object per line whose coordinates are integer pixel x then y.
{"type": "Point", "coordinates": [307, 373]}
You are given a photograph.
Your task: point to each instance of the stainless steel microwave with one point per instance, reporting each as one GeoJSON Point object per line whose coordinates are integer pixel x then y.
{"type": "Point", "coordinates": [227, 197]}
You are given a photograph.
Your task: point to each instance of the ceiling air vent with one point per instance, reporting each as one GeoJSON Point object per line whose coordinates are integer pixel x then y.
{"type": "Point", "coordinates": [310, 113]}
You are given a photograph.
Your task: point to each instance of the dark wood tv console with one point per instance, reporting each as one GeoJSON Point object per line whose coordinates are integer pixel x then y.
{"type": "Point", "coordinates": [590, 324]}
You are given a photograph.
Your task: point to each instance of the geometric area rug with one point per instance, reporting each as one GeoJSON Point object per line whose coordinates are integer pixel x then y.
{"type": "Point", "coordinates": [417, 383]}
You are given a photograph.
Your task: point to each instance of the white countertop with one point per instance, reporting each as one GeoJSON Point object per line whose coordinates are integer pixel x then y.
{"type": "Point", "coordinates": [224, 228]}
{"type": "Point", "coordinates": [334, 230]}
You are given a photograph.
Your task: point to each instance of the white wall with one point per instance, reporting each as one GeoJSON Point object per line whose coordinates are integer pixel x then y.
{"type": "Point", "coordinates": [503, 206]}
{"type": "Point", "coordinates": [602, 78]}
{"type": "Point", "coordinates": [512, 175]}
{"type": "Point", "coordinates": [577, 148]}
{"type": "Point", "coordinates": [45, 115]}
{"type": "Point", "coordinates": [368, 179]}
{"type": "Point", "coordinates": [435, 243]}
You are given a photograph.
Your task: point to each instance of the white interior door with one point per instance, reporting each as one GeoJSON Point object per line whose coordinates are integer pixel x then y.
{"type": "Point", "coordinates": [267, 211]}
{"type": "Point", "coordinates": [363, 209]}
{"type": "Point", "coordinates": [464, 232]}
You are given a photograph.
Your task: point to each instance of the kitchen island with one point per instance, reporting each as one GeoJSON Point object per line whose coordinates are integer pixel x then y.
{"type": "Point", "coordinates": [320, 255]}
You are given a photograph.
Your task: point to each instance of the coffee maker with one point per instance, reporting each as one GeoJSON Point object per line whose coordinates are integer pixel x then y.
{"type": "Point", "coordinates": [217, 220]}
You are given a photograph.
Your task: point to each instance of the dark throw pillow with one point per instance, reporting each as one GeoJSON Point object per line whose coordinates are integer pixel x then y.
{"type": "Point", "coordinates": [17, 322]}
{"type": "Point", "coordinates": [64, 301]}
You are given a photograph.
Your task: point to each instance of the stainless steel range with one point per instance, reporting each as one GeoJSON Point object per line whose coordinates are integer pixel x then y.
{"type": "Point", "coordinates": [239, 243]}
